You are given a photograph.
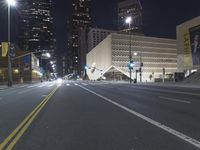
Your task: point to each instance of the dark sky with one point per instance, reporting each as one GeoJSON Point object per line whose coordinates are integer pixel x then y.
{"type": "Point", "coordinates": [160, 17]}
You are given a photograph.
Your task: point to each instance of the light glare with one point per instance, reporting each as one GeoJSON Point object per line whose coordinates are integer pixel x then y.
{"type": "Point", "coordinates": [128, 20]}
{"type": "Point", "coordinates": [59, 81]}
{"type": "Point", "coordinates": [48, 55]}
{"type": "Point", "coordinates": [11, 2]}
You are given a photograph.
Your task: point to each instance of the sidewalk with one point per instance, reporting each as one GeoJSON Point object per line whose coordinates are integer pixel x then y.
{"type": "Point", "coordinates": [173, 84]}
{"type": "Point", "coordinates": [169, 84]}
{"type": "Point", "coordinates": [3, 87]}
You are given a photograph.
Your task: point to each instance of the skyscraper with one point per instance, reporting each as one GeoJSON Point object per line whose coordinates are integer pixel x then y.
{"type": "Point", "coordinates": [81, 20]}
{"type": "Point", "coordinates": [131, 8]}
{"type": "Point", "coordinates": [36, 26]}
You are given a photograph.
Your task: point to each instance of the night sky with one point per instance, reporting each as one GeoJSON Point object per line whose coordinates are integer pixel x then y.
{"type": "Point", "coordinates": [159, 17]}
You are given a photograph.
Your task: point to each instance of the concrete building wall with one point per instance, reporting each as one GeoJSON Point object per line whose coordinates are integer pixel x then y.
{"type": "Point", "coordinates": [155, 53]}
{"type": "Point", "coordinates": [99, 57]}
{"type": "Point", "coordinates": [181, 30]}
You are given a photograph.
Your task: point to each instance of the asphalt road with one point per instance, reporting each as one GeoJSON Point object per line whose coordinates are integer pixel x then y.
{"type": "Point", "coordinates": [99, 116]}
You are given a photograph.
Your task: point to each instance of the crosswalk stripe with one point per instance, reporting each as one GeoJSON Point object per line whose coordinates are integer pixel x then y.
{"type": "Point", "coordinates": [32, 86]}
{"type": "Point", "coordinates": [51, 85]}
{"type": "Point", "coordinates": [41, 85]}
{"type": "Point", "coordinates": [84, 84]}
{"type": "Point", "coordinates": [22, 86]}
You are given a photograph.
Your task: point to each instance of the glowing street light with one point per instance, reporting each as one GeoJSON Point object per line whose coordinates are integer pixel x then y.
{"type": "Point", "coordinates": [135, 53]}
{"type": "Point", "coordinates": [128, 20]}
{"type": "Point", "coordinates": [11, 2]}
{"type": "Point", "coordinates": [48, 55]}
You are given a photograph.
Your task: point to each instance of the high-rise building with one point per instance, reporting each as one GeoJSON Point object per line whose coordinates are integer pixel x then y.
{"type": "Point", "coordinates": [96, 35]}
{"type": "Point", "coordinates": [36, 26]}
{"type": "Point", "coordinates": [132, 8]}
{"type": "Point", "coordinates": [81, 20]}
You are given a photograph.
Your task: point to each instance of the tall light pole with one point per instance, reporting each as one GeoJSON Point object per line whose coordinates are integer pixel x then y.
{"type": "Point", "coordinates": [141, 63]}
{"type": "Point", "coordinates": [10, 3]}
{"type": "Point", "coordinates": [129, 21]}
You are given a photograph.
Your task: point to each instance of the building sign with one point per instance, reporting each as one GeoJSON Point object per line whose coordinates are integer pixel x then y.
{"type": "Point", "coordinates": [187, 49]}
{"type": "Point", "coordinates": [27, 63]}
{"type": "Point", "coordinates": [4, 49]}
{"type": "Point", "coordinates": [35, 62]}
{"type": "Point", "coordinates": [195, 44]}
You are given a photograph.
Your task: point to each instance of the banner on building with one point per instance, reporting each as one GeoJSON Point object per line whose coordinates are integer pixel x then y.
{"type": "Point", "coordinates": [195, 44]}
{"type": "Point", "coordinates": [4, 49]}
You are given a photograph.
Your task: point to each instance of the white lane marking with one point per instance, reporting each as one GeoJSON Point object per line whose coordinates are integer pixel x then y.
{"type": "Point", "coordinates": [84, 84]}
{"type": "Point", "coordinates": [50, 85]}
{"type": "Point", "coordinates": [44, 95]}
{"type": "Point", "coordinates": [67, 84]}
{"type": "Point", "coordinates": [167, 91]}
{"type": "Point", "coordinates": [178, 134]}
{"type": "Point", "coordinates": [31, 86]}
{"type": "Point", "coordinates": [22, 92]}
{"type": "Point", "coordinates": [175, 100]}
{"type": "Point", "coordinates": [41, 85]}
{"type": "Point", "coordinates": [23, 86]}
{"type": "Point", "coordinates": [75, 84]}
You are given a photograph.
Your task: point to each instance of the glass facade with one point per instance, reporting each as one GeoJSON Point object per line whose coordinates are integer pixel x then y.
{"type": "Point", "coordinates": [81, 20]}
{"type": "Point", "coordinates": [131, 8]}
{"type": "Point", "coordinates": [36, 26]}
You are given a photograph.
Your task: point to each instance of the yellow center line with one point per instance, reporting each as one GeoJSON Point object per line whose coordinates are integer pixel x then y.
{"type": "Point", "coordinates": [22, 127]}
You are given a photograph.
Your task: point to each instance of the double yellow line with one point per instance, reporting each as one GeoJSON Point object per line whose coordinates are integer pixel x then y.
{"type": "Point", "coordinates": [14, 137]}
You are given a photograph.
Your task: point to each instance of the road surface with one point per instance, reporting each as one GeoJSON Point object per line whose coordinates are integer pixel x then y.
{"type": "Point", "coordinates": [85, 115]}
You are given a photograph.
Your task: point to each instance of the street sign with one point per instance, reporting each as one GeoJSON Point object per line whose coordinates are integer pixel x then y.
{"type": "Point", "coordinates": [131, 64]}
{"type": "Point", "coordinates": [4, 49]}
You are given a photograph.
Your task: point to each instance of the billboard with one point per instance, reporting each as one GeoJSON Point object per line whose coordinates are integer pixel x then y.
{"type": "Point", "coordinates": [195, 44]}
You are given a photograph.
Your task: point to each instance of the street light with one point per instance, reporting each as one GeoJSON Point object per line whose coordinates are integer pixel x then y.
{"type": "Point", "coordinates": [141, 63]}
{"type": "Point", "coordinates": [10, 3]}
{"type": "Point", "coordinates": [129, 21]}
{"type": "Point", "coordinates": [48, 55]}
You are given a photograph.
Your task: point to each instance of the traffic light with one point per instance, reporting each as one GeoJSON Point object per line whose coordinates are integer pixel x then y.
{"type": "Point", "coordinates": [131, 64]}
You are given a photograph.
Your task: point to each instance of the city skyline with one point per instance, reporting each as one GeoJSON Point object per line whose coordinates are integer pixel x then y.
{"type": "Point", "coordinates": [100, 18]}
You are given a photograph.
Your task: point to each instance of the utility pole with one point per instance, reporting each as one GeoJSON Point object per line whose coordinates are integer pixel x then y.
{"type": "Point", "coordinates": [9, 57]}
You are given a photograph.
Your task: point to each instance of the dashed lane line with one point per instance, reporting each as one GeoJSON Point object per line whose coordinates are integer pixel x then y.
{"type": "Point", "coordinates": [174, 100]}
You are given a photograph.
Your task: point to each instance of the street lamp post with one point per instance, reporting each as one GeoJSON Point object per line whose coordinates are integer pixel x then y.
{"type": "Point", "coordinates": [141, 64]}
{"type": "Point", "coordinates": [128, 21]}
{"type": "Point", "coordinates": [10, 3]}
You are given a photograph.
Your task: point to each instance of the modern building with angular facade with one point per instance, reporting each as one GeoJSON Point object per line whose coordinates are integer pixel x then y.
{"type": "Point", "coordinates": [110, 58]}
